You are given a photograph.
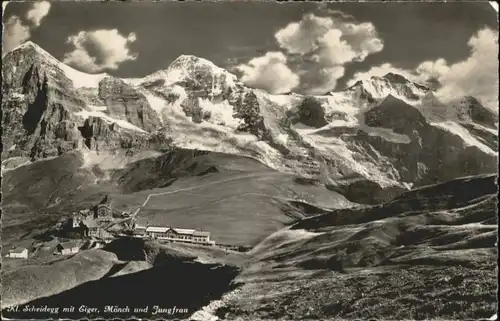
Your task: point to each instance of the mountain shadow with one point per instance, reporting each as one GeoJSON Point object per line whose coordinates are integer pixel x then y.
{"type": "Point", "coordinates": [179, 288]}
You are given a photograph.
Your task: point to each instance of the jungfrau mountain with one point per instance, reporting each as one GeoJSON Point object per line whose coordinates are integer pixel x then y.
{"type": "Point", "coordinates": [369, 142]}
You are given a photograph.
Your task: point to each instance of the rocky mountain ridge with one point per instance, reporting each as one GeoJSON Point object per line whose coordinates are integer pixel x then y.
{"type": "Point", "coordinates": [386, 133]}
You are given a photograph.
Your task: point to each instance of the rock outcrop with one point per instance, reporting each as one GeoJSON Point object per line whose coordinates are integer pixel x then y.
{"type": "Point", "coordinates": [37, 116]}
{"type": "Point", "coordinates": [395, 114]}
{"type": "Point", "coordinates": [471, 110]}
{"type": "Point", "coordinates": [125, 102]}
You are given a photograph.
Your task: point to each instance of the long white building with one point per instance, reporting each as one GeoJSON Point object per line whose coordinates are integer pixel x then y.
{"type": "Point", "coordinates": [178, 234]}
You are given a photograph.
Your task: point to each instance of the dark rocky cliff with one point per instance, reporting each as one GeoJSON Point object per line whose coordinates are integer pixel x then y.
{"type": "Point", "coordinates": [37, 119]}
{"type": "Point", "coordinates": [41, 106]}
{"type": "Point", "coordinates": [125, 102]}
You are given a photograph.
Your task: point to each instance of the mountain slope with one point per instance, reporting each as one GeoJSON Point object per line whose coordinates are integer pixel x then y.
{"type": "Point", "coordinates": [429, 253]}
{"type": "Point", "coordinates": [368, 133]}
{"type": "Point", "coordinates": [238, 199]}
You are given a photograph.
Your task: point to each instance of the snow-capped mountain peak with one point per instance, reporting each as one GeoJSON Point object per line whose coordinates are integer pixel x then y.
{"type": "Point", "coordinates": [30, 52]}
{"type": "Point", "coordinates": [396, 78]}
{"type": "Point", "coordinates": [192, 72]}
{"type": "Point", "coordinates": [30, 49]}
{"type": "Point", "coordinates": [376, 88]}
{"type": "Point", "coordinates": [471, 110]}
{"type": "Point", "coordinates": [28, 44]}
{"type": "Point", "coordinates": [191, 61]}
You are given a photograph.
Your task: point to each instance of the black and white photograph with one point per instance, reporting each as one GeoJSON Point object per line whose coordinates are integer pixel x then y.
{"type": "Point", "coordinates": [249, 160]}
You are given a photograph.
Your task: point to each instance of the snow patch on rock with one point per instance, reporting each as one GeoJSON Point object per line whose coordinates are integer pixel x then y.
{"type": "Point", "coordinates": [467, 138]}
{"type": "Point", "coordinates": [17, 95]}
{"type": "Point", "coordinates": [336, 148]}
{"type": "Point", "coordinates": [220, 113]}
{"type": "Point", "coordinates": [122, 123]}
{"type": "Point", "coordinates": [157, 103]}
{"type": "Point", "coordinates": [98, 108]}
{"type": "Point", "coordinates": [81, 79]}
{"type": "Point", "coordinates": [484, 128]}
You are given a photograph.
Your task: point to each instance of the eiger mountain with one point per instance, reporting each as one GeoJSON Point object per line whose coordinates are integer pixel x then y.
{"type": "Point", "coordinates": [382, 134]}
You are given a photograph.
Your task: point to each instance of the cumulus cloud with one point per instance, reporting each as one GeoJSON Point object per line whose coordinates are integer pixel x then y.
{"type": "Point", "coordinates": [38, 11]}
{"type": "Point", "coordinates": [330, 40]}
{"type": "Point", "coordinates": [475, 76]}
{"type": "Point", "coordinates": [317, 48]}
{"type": "Point", "coordinates": [15, 31]}
{"type": "Point", "coordinates": [431, 69]}
{"type": "Point", "coordinates": [300, 37]}
{"type": "Point", "coordinates": [97, 50]}
{"type": "Point", "coordinates": [269, 72]}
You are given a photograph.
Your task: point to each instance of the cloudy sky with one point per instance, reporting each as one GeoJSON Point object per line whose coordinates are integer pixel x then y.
{"type": "Point", "coordinates": [309, 48]}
